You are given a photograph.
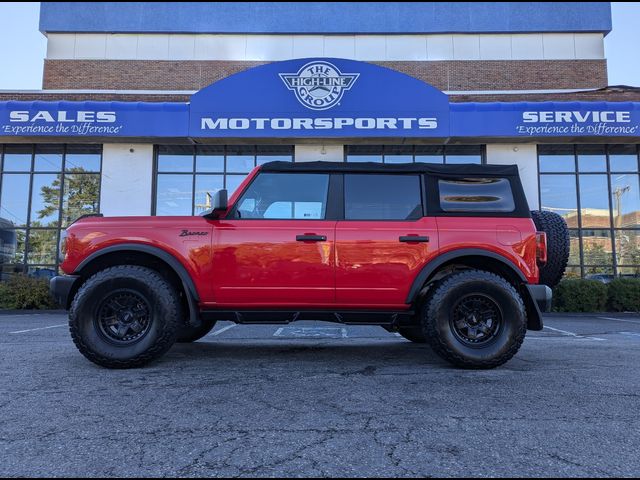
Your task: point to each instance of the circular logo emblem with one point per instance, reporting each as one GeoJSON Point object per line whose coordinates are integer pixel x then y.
{"type": "Point", "coordinates": [319, 85]}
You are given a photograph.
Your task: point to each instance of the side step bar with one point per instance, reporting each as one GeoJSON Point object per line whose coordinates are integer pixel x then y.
{"type": "Point", "coordinates": [348, 317]}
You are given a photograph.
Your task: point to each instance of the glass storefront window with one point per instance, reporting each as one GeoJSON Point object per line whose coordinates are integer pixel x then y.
{"type": "Point", "coordinates": [187, 177]}
{"type": "Point", "coordinates": [623, 158]}
{"type": "Point", "coordinates": [55, 181]}
{"type": "Point", "coordinates": [556, 158]}
{"type": "Point", "coordinates": [558, 194]}
{"type": "Point", "coordinates": [600, 202]}
{"type": "Point", "coordinates": [594, 201]}
{"type": "Point", "coordinates": [591, 158]}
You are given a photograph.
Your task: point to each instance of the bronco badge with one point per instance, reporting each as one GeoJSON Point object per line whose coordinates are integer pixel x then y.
{"type": "Point", "coordinates": [319, 85]}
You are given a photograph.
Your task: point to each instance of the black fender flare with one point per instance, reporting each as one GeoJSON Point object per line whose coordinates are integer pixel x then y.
{"type": "Point", "coordinates": [187, 282]}
{"type": "Point", "coordinates": [534, 317]}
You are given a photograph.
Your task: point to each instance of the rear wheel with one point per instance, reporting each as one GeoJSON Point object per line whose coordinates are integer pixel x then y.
{"type": "Point", "coordinates": [474, 319]}
{"type": "Point", "coordinates": [188, 334]}
{"type": "Point", "coordinates": [125, 317]}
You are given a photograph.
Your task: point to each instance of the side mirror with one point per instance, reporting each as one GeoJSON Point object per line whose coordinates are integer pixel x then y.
{"type": "Point", "coordinates": [218, 205]}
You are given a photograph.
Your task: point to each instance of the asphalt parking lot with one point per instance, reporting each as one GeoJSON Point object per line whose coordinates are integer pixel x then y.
{"type": "Point", "coordinates": [319, 399]}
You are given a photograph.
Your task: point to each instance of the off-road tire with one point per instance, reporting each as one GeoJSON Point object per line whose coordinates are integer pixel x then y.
{"type": "Point", "coordinates": [165, 317]}
{"type": "Point", "coordinates": [438, 311]}
{"type": "Point", "coordinates": [558, 246]}
{"type": "Point", "coordinates": [414, 334]}
{"type": "Point", "coordinates": [188, 334]}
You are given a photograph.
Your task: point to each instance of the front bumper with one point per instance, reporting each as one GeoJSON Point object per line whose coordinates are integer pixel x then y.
{"type": "Point", "coordinates": [61, 288]}
{"type": "Point", "coordinates": [542, 296]}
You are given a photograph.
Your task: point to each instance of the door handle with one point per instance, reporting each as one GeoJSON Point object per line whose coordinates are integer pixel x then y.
{"type": "Point", "coordinates": [311, 238]}
{"type": "Point", "coordinates": [413, 238]}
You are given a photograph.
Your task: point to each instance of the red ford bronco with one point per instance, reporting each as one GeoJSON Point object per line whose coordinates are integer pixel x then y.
{"type": "Point", "coordinates": [444, 254]}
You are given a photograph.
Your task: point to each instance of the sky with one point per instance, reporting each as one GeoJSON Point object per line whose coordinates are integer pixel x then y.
{"type": "Point", "coordinates": [23, 47]}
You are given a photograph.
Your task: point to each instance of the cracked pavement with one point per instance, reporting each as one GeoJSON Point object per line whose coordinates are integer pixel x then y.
{"type": "Point", "coordinates": [247, 403]}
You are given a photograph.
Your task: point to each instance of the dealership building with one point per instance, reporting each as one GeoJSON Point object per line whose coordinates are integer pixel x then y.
{"type": "Point", "coordinates": [148, 109]}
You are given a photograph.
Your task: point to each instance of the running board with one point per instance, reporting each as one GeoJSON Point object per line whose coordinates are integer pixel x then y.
{"type": "Point", "coordinates": [347, 317]}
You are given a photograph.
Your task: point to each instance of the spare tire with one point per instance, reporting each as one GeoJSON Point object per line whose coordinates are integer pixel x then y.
{"type": "Point", "coordinates": [557, 246]}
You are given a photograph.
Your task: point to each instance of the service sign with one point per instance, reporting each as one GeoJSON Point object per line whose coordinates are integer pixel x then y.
{"type": "Point", "coordinates": [319, 97]}
{"type": "Point", "coordinates": [93, 119]}
{"type": "Point", "coordinates": [546, 119]}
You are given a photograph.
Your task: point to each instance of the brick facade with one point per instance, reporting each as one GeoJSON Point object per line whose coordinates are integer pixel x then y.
{"type": "Point", "coordinates": [444, 75]}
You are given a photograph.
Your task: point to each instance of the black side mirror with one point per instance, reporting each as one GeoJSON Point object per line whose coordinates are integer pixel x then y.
{"type": "Point", "coordinates": [218, 205]}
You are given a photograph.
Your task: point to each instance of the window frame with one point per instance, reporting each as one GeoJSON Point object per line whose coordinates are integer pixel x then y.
{"type": "Point", "coordinates": [331, 207]}
{"type": "Point", "coordinates": [25, 265]}
{"type": "Point", "coordinates": [577, 173]}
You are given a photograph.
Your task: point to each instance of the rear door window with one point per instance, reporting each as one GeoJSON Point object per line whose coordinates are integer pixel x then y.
{"type": "Point", "coordinates": [382, 197]}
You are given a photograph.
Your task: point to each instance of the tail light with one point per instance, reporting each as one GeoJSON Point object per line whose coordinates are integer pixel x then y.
{"type": "Point", "coordinates": [541, 247]}
{"type": "Point", "coordinates": [62, 248]}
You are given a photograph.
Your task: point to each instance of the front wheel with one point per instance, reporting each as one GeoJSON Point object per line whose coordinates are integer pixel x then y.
{"type": "Point", "coordinates": [474, 319]}
{"type": "Point", "coordinates": [125, 317]}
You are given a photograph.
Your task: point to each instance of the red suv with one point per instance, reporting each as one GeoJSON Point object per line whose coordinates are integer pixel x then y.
{"type": "Point", "coordinates": [444, 254]}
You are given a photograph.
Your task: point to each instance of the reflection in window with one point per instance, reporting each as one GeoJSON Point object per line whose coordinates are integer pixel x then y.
{"type": "Point", "coordinates": [32, 201]}
{"type": "Point", "coordinates": [45, 200]}
{"type": "Point", "coordinates": [382, 197]}
{"type": "Point", "coordinates": [476, 195]}
{"type": "Point", "coordinates": [591, 158]}
{"type": "Point", "coordinates": [623, 158]}
{"type": "Point", "coordinates": [608, 223]}
{"type": "Point", "coordinates": [625, 200]}
{"type": "Point", "coordinates": [174, 195]}
{"type": "Point", "coordinates": [628, 247]}
{"type": "Point", "coordinates": [558, 194]}
{"type": "Point", "coordinates": [213, 166]}
{"type": "Point", "coordinates": [594, 201]}
{"type": "Point", "coordinates": [285, 196]}
{"type": "Point", "coordinates": [556, 158]}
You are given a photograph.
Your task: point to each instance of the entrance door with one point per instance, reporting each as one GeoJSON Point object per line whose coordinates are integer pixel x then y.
{"type": "Point", "coordinates": [383, 241]}
{"type": "Point", "coordinates": [277, 249]}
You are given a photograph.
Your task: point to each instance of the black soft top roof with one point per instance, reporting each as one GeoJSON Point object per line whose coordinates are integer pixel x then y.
{"type": "Point", "coordinates": [363, 167]}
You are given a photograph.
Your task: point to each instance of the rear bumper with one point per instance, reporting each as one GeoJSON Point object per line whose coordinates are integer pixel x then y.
{"type": "Point", "coordinates": [61, 288]}
{"type": "Point", "coordinates": [541, 295]}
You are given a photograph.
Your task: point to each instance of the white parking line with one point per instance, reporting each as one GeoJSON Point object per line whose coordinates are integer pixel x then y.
{"type": "Point", "coordinates": [620, 320]}
{"type": "Point", "coordinates": [574, 335]}
{"type": "Point", "coordinates": [42, 328]}
{"type": "Point", "coordinates": [222, 330]}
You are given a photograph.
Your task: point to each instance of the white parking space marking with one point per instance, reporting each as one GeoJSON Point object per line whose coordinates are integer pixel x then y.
{"type": "Point", "coordinates": [574, 335]}
{"type": "Point", "coordinates": [620, 320]}
{"type": "Point", "coordinates": [222, 330]}
{"type": "Point", "coordinates": [41, 328]}
{"type": "Point", "coordinates": [311, 332]}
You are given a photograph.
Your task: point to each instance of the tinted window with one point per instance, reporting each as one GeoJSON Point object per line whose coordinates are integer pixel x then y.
{"type": "Point", "coordinates": [382, 197]}
{"type": "Point", "coordinates": [476, 195]}
{"type": "Point", "coordinates": [285, 196]}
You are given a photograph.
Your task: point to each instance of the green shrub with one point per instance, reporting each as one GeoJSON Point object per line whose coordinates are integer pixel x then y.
{"type": "Point", "coordinates": [22, 292]}
{"type": "Point", "coordinates": [580, 296]}
{"type": "Point", "coordinates": [624, 295]}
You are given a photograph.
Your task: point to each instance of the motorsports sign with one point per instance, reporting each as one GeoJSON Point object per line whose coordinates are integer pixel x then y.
{"type": "Point", "coordinates": [323, 98]}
